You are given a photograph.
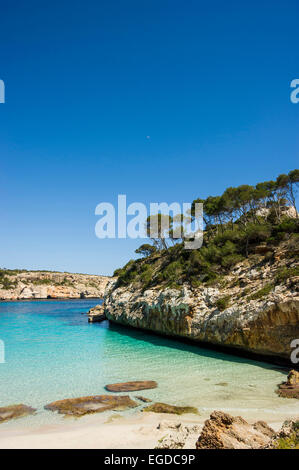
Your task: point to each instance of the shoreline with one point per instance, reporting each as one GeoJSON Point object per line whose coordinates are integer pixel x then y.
{"type": "Point", "coordinates": [138, 431]}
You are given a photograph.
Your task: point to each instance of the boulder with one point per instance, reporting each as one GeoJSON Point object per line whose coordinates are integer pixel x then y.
{"type": "Point", "coordinates": [15, 411]}
{"type": "Point", "coordinates": [223, 431]}
{"type": "Point", "coordinates": [131, 386]}
{"type": "Point", "coordinates": [91, 404]}
{"type": "Point", "coordinates": [165, 408]}
{"type": "Point", "coordinates": [290, 388]}
{"type": "Point", "coordinates": [177, 435]}
{"type": "Point", "coordinates": [96, 314]}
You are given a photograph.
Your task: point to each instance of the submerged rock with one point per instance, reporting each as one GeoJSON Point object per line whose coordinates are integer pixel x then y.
{"type": "Point", "coordinates": [145, 400]}
{"type": "Point", "coordinates": [131, 386]}
{"type": "Point", "coordinates": [223, 431]}
{"type": "Point", "coordinates": [165, 408]}
{"type": "Point", "coordinates": [91, 404]}
{"type": "Point", "coordinates": [290, 388]}
{"type": "Point", "coordinates": [15, 411]}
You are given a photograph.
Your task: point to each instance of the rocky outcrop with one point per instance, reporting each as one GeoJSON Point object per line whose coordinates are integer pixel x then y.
{"type": "Point", "coordinates": [223, 431]}
{"type": "Point", "coordinates": [15, 411]}
{"type": "Point", "coordinates": [177, 436]}
{"type": "Point", "coordinates": [287, 437]}
{"type": "Point", "coordinates": [290, 388]}
{"type": "Point", "coordinates": [91, 404]}
{"type": "Point", "coordinates": [132, 386]}
{"type": "Point", "coordinates": [21, 285]}
{"type": "Point", "coordinates": [171, 409]}
{"type": "Point", "coordinates": [255, 308]}
{"type": "Point", "coordinates": [96, 314]}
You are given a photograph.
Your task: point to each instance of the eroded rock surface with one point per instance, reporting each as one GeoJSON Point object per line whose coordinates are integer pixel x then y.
{"type": "Point", "coordinates": [177, 435]}
{"type": "Point", "coordinates": [91, 404]}
{"type": "Point", "coordinates": [15, 411]}
{"type": "Point", "coordinates": [131, 386]}
{"type": "Point", "coordinates": [290, 388]}
{"type": "Point", "coordinates": [165, 408]}
{"type": "Point", "coordinates": [96, 314]}
{"type": "Point", "coordinates": [223, 431]}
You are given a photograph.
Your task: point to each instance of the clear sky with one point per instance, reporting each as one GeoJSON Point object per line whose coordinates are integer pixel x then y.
{"type": "Point", "coordinates": [88, 81]}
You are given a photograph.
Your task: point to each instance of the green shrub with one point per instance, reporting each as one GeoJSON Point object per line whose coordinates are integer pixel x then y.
{"type": "Point", "coordinates": [286, 273]}
{"type": "Point", "coordinates": [173, 271]}
{"type": "Point", "coordinates": [223, 303]}
{"type": "Point", "coordinates": [146, 275]}
{"type": "Point", "coordinates": [234, 236]}
{"type": "Point", "coordinates": [290, 442]}
{"type": "Point", "coordinates": [262, 292]}
{"type": "Point", "coordinates": [258, 232]}
{"type": "Point", "coordinates": [211, 253]}
{"type": "Point", "coordinates": [230, 260]}
{"type": "Point", "coordinates": [7, 283]}
{"type": "Point", "coordinates": [288, 225]}
{"type": "Point", "coordinates": [211, 279]}
{"type": "Point", "coordinates": [42, 281]}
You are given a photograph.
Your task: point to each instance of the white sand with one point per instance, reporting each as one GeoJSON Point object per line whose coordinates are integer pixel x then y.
{"type": "Point", "coordinates": [97, 432]}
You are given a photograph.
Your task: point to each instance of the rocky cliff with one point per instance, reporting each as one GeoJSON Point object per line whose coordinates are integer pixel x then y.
{"type": "Point", "coordinates": [19, 285]}
{"type": "Point", "coordinates": [254, 308]}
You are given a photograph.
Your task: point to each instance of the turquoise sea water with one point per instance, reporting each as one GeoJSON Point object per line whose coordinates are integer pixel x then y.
{"type": "Point", "coordinates": [52, 352]}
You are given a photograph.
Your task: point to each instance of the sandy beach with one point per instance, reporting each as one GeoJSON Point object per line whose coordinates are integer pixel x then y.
{"type": "Point", "coordinates": [139, 431]}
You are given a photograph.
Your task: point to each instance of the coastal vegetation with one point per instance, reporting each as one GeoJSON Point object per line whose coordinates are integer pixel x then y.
{"type": "Point", "coordinates": [7, 283]}
{"type": "Point", "coordinates": [244, 222]}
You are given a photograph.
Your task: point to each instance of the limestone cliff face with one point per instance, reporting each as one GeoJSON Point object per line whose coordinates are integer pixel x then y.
{"type": "Point", "coordinates": [259, 321]}
{"type": "Point", "coordinates": [52, 285]}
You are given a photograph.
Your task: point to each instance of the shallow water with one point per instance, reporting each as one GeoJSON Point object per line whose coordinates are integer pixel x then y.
{"type": "Point", "coordinates": [52, 352]}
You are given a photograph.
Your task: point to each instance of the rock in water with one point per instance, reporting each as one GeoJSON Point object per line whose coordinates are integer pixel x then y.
{"type": "Point", "coordinates": [91, 404]}
{"type": "Point", "coordinates": [223, 431]}
{"type": "Point", "coordinates": [165, 408]}
{"type": "Point", "coordinates": [15, 411]}
{"type": "Point", "coordinates": [290, 388]}
{"type": "Point", "coordinates": [96, 314]}
{"type": "Point", "coordinates": [131, 386]}
{"type": "Point", "coordinates": [145, 400]}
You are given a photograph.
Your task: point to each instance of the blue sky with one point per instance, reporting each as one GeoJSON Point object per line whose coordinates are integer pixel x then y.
{"type": "Point", "coordinates": [87, 82]}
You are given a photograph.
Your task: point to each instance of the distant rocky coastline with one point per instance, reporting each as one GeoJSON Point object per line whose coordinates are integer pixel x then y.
{"type": "Point", "coordinates": [30, 285]}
